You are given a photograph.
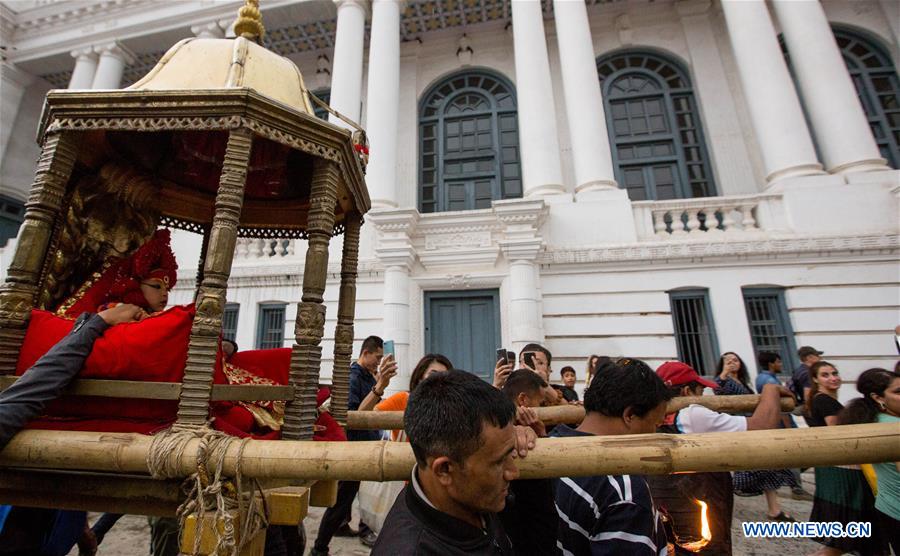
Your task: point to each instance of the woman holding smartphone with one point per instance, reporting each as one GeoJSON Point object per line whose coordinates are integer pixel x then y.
{"type": "Point", "coordinates": [431, 363]}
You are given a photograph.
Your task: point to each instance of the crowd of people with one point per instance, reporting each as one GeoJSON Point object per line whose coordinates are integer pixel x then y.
{"type": "Point", "coordinates": [464, 495]}
{"type": "Point", "coordinates": [437, 512]}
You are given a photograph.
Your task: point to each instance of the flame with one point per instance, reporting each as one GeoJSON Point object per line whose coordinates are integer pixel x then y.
{"type": "Point", "coordinates": [704, 522]}
{"type": "Point", "coordinates": [705, 531]}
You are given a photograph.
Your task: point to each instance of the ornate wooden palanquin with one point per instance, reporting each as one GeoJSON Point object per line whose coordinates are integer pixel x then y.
{"type": "Point", "coordinates": [227, 132]}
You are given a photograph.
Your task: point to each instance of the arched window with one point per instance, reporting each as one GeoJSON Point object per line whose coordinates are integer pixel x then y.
{"type": "Point", "coordinates": [654, 127]}
{"type": "Point", "coordinates": [468, 143]}
{"type": "Point", "coordinates": [878, 88]}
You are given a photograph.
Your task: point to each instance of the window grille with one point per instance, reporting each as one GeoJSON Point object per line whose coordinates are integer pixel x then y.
{"type": "Point", "coordinates": [468, 143]}
{"type": "Point", "coordinates": [695, 333]}
{"type": "Point", "coordinates": [230, 320]}
{"type": "Point", "coordinates": [659, 150]}
{"type": "Point", "coordinates": [270, 332]}
{"type": "Point", "coordinates": [770, 327]}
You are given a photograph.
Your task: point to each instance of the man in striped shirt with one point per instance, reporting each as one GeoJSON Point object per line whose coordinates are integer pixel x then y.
{"type": "Point", "coordinates": [613, 514]}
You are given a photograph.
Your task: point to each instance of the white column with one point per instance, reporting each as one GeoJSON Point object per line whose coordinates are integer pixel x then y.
{"type": "Point", "coordinates": [729, 156]}
{"type": "Point", "coordinates": [538, 139]}
{"type": "Point", "coordinates": [775, 110]}
{"type": "Point", "coordinates": [347, 70]}
{"type": "Point", "coordinates": [396, 321]}
{"type": "Point", "coordinates": [13, 83]}
{"type": "Point", "coordinates": [524, 304]}
{"type": "Point", "coordinates": [396, 253]}
{"type": "Point", "coordinates": [85, 68]}
{"type": "Point", "coordinates": [212, 30]}
{"type": "Point", "coordinates": [522, 220]}
{"type": "Point", "coordinates": [838, 120]}
{"type": "Point", "coordinates": [113, 59]}
{"type": "Point", "coordinates": [383, 100]}
{"type": "Point", "coordinates": [584, 105]}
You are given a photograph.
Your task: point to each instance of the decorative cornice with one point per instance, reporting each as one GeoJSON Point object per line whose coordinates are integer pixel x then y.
{"type": "Point", "coordinates": [462, 281]}
{"type": "Point", "coordinates": [284, 272]}
{"type": "Point", "coordinates": [783, 247]}
{"type": "Point", "coordinates": [522, 219]}
{"type": "Point", "coordinates": [394, 220]}
{"type": "Point", "coordinates": [395, 228]}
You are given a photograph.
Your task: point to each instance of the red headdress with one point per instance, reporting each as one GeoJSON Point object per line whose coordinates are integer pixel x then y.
{"type": "Point", "coordinates": [120, 279]}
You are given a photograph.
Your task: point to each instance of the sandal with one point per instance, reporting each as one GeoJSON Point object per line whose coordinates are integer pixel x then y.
{"type": "Point", "coordinates": [781, 517]}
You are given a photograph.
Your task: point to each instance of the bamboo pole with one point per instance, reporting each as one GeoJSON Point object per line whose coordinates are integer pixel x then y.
{"type": "Point", "coordinates": [650, 454]}
{"type": "Point", "coordinates": [391, 420]}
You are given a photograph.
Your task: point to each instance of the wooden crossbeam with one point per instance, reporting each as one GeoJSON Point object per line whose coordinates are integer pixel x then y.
{"type": "Point", "coordinates": [651, 454]}
{"type": "Point", "coordinates": [137, 494]}
{"type": "Point", "coordinates": [568, 414]}
{"type": "Point", "coordinates": [71, 490]}
{"type": "Point", "coordinates": [165, 390]}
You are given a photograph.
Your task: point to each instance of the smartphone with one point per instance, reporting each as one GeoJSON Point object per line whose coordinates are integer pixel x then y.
{"type": "Point", "coordinates": [528, 358]}
{"type": "Point", "coordinates": [501, 354]}
{"type": "Point", "coordinates": [389, 348]}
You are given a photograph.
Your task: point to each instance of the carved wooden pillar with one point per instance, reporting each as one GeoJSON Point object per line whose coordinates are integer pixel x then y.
{"type": "Point", "coordinates": [343, 332]}
{"type": "Point", "coordinates": [17, 295]}
{"type": "Point", "coordinates": [193, 407]}
{"type": "Point", "coordinates": [306, 355]}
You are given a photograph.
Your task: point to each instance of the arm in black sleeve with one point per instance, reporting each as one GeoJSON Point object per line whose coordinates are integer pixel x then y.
{"type": "Point", "coordinates": [45, 381]}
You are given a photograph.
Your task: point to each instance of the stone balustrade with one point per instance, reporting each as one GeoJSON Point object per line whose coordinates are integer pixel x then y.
{"type": "Point", "coordinates": [254, 248]}
{"type": "Point", "coordinates": [707, 217]}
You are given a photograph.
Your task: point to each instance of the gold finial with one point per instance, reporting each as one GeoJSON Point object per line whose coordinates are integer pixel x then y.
{"type": "Point", "coordinates": [249, 22]}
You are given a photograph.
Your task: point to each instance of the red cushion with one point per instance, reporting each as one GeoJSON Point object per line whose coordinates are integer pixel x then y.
{"type": "Point", "coordinates": [152, 350]}
{"type": "Point", "coordinates": [273, 364]}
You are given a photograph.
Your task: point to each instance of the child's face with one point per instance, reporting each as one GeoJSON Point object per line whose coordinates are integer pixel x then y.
{"type": "Point", "coordinates": [569, 379]}
{"type": "Point", "coordinates": [155, 293]}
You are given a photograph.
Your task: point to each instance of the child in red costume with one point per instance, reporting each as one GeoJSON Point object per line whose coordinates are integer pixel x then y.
{"type": "Point", "coordinates": [155, 349]}
{"type": "Point", "coordinates": [144, 279]}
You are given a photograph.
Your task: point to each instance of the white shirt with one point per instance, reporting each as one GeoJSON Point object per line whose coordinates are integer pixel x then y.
{"type": "Point", "coordinates": [696, 418]}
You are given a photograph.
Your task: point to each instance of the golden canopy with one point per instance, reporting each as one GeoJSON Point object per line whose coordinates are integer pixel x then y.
{"type": "Point", "coordinates": [197, 63]}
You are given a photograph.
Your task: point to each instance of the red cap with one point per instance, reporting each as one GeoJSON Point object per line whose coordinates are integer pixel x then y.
{"type": "Point", "coordinates": [676, 373]}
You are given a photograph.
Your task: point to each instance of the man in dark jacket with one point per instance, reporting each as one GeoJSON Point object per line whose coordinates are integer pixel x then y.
{"type": "Point", "coordinates": [45, 381]}
{"type": "Point", "coordinates": [463, 435]}
{"type": "Point", "coordinates": [370, 374]}
{"type": "Point", "coordinates": [27, 531]}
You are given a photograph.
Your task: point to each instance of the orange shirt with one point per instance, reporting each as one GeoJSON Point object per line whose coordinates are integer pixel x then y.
{"type": "Point", "coordinates": [396, 402]}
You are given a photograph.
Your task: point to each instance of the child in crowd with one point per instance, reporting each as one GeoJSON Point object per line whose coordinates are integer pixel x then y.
{"type": "Point", "coordinates": [568, 386]}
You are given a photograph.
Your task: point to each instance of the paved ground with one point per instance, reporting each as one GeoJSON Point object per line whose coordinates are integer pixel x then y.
{"type": "Point", "coordinates": [131, 536]}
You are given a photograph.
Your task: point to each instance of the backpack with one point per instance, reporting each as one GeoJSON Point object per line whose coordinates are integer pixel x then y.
{"type": "Point", "coordinates": [794, 384]}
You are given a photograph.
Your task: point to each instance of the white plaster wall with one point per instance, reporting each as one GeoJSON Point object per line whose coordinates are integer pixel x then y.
{"type": "Point", "coordinates": [847, 308]}
{"type": "Point", "coordinates": [20, 158]}
{"type": "Point", "coordinates": [844, 305]}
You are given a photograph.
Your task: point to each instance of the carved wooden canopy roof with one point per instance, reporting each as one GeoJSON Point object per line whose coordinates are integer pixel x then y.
{"type": "Point", "coordinates": [179, 137]}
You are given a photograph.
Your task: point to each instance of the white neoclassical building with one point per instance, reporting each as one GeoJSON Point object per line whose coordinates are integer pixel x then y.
{"type": "Point", "coordinates": [659, 179]}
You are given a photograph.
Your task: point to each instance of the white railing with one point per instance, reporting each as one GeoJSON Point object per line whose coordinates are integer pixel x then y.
{"type": "Point", "coordinates": [252, 248]}
{"type": "Point", "coordinates": [706, 217]}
